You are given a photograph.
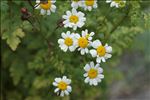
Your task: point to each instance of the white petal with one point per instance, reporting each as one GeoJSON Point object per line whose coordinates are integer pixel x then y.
{"type": "Point", "coordinates": [86, 80]}
{"type": "Point", "coordinates": [63, 35]}
{"type": "Point", "coordinates": [65, 17]}
{"type": "Point", "coordinates": [108, 55]}
{"type": "Point", "coordinates": [68, 81]}
{"type": "Point", "coordinates": [48, 12]}
{"type": "Point", "coordinates": [100, 70]}
{"type": "Point", "coordinates": [37, 1]}
{"type": "Point", "coordinates": [64, 48]}
{"type": "Point", "coordinates": [96, 43]}
{"type": "Point", "coordinates": [66, 92]}
{"type": "Point", "coordinates": [112, 4]}
{"type": "Point", "coordinates": [69, 88]}
{"type": "Point", "coordinates": [95, 82]}
{"type": "Point", "coordinates": [82, 51]}
{"type": "Point", "coordinates": [62, 93]}
{"type": "Point", "coordinates": [57, 80]}
{"type": "Point", "coordinates": [108, 49]}
{"type": "Point", "coordinates": [68, 13]}
{"type": "Point", "coordinates": [56, 90]}
{"type": "Point", "coordinates": [101, 76]}
{"type": "Point", "coordinates": [64, 78]}
{"type": "Point", "coordinates": [92, 64]}
{"type": "Point", "coordinates": [98, 60]}
{"type": "Point", "coordinates": [103, 59]}
{"type": "Point", "coordinates": [93, 53]}
{"type": "Point", "coordinates": [91, 81]}
{"type": "Point", "coordinates": [53, 8]}
{"type": "Point", "coordinates": [74, 27]}
{"type": "Point", "coordinates": [90, 38]}
{"type": "Point", "coordinates": [108, 1]}
{"type": "Point", "coordinates": [74, 11]}
{"type": "Point", "coordinates": [55, 84]}
{"type": "Point", "coordinates": [77, 35]}
{"type": "Point", "coordinates": [72, 48]}
{"type": "Point", "coordinates": [43, 11]}
{"type": "Point", "coordinates": [95, 6]}
{"type": "Point", "coordinates": [86, 50]}
{"type": "Point", "coordinates": [85, 75]}
{"type": "Point", "coordinates": [92, 33]}
{"type": "Point", "coordinates": [80, 24]}
{"type": "Point", "coordinates": [61, 41]}
{"type": "Point", "coordinates": [87, 67]}
{"type": "Point", "coordinates": [53, 1]}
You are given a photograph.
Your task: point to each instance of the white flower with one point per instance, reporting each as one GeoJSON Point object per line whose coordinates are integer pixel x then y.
{"type": "Point", "coordinates": [89, 4]}
{"type": "Point", "coordinates": [67, 41]}
{"type": "Point", "coordinates": [63, 87]}
{"type": "Point", "coordinates": [47, 7]}
{"type": "Point", "coordinates": [88, 35]}
{"type": "Point", "coordinates": [101, 52]}
{"type": "Point", "coordinates": [84, 41]}
{"type": "Point", "coordinates": [76, 3]}
{"type": "Point", "coordinates": [74, 19]}
{"type": "Point", "coordinates": [93, 73]}
{"type": "Point", "coordinates": [116, 3]}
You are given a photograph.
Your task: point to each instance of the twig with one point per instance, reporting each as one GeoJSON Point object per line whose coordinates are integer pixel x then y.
{"type": "Point", "coordinates": [29, 1]}
{"type": "Point", "coordinates": [121, 21]}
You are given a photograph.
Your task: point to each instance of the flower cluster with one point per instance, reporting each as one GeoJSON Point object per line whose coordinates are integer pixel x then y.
{"type": "Point", "coordinates": [82, 42]}
{"type": "Point", "coordinates": [48, 6]}
{"type": "Point", "coordinates": [85, 4]}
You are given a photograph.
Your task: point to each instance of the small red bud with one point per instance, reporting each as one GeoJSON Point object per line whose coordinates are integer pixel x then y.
{"type": "Point", "coordinates": [24, 10]}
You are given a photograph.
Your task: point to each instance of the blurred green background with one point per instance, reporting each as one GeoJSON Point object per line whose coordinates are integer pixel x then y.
{"type": "Point", "coordinates": [31, 58]}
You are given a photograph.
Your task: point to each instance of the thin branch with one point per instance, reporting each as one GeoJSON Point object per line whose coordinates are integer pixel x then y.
{"type": "Point", "coordinates": [121, 21]}
{"type": "Point", "coordinates": [30, 3]}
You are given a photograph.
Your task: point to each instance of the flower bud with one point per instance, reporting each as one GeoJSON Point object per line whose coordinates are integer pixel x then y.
{"type": "Point", "coordinates": [24, 10]}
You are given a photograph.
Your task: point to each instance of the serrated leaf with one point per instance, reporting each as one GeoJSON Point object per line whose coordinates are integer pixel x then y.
{"type": "Point", "coordinates": [13, 42]}
{"type": "Point", "coordinates": [13, 39]}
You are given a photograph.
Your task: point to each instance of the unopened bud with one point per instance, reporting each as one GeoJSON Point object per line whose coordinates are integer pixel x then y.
{"type": "Point", "coordinates": [24, 10]}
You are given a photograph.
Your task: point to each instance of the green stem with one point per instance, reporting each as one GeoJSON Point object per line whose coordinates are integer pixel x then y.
{"type": "Point", "coordinates": [116, 25]}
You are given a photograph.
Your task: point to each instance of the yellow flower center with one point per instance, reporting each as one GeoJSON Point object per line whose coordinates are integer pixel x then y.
{"type": "Point", "coordinates": [68, 41]}
{"type": "Point", "coordinates": [62, 85]}
{"type": "Point", "coordinates": [82, 42]}
{"type": "Point", "coordinates": [89, 2]}
{"type": "Point", "coordinates": [76, 0]}
{"type": "Point", "coordinates": [92, 73]}
{"type": "Point", "coordinates": [74, 19]}
{"type": "Point", "coordinates": [101, 50]}
{"type": "Point", "coordinates": [46, 6]}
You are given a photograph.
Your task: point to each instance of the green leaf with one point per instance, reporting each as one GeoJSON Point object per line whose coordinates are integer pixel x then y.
{"type": "Point", "coordinates": [13, 39]}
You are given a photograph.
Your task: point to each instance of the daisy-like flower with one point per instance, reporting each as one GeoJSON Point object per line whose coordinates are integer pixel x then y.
{"type": "Point", "coordinates": [93, 73]}
{"type": "Point", "coordinates": [63, 86]}
{"type": "Point", "coordinates": [88, 35]}
{"type": "Point", "coordinates": [67, 41]}
{"type": "Point", "coordinates": [101, 52]}
{"type": "Point", "coordinates": [74, 19]}
{"type": "Point", "coordinates": [116, 3]}
{"type": "Point", "coordinates": [89, 4]}
{"type": "Point", "coordinates": [46, 7]}
{"type": "Point", "coordinates": [84, 41]}
{"type": "Point", "coordinates": [76, 3]}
